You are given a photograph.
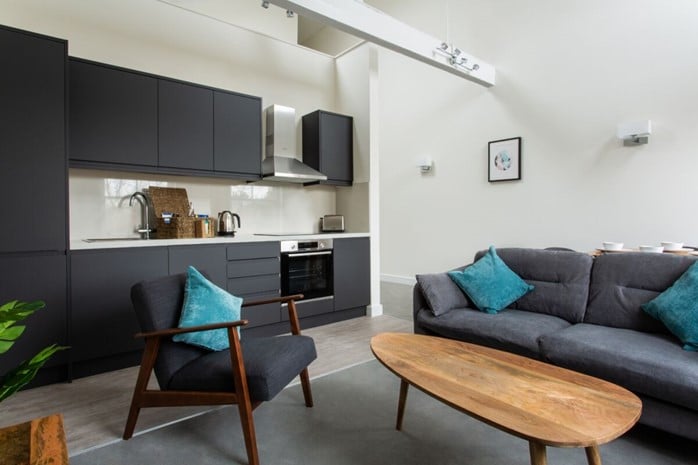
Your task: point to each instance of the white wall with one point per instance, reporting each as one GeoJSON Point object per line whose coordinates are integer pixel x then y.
{"type": "Point", "coordinates": [155, 37]}
{"type": "Point", "coordinates": [567, 73]}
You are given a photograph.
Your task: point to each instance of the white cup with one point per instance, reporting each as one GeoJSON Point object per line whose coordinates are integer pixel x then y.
{"type": "Point", "coordinates": [672, 246]}
{"type": "Point", "coordinates": [651, 248]}
{"type": "Point", "coordinates": [613, 246]}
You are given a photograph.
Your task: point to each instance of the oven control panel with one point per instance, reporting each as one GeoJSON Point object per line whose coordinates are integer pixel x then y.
{"type": "Point", "coordinates": [306, 246]}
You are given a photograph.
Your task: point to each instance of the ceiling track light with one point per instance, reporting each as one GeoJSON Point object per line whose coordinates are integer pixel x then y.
{"type": "Point", "coordinates": [289, 14]}
{"type": "Point", "coordinates": [265, 4]}
{"type": "Point", "coordinates": [454, 58]}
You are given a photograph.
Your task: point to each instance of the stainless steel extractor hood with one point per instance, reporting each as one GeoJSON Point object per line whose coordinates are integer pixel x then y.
{"type": "Point", "coordinates": [281, 162]}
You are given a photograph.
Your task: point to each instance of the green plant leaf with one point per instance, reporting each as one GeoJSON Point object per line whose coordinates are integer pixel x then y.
{"type": "Point", "coordinates": [12, 333]}
{"type": "Point", "coordinates": [15, 379]}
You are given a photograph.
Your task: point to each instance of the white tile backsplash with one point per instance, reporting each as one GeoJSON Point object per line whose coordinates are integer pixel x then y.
{"type": "Point", "coordinates": [99, 202]}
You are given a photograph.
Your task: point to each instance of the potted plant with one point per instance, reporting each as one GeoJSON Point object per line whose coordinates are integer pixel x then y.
{"type": "Point", "coordinates": [41, 440]}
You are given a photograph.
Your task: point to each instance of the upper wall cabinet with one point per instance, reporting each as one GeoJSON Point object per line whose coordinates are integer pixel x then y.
{"type": "Point", "coordinates": [32, 141]}
{"type": "Point", "coordinates": [237, 134]}
{"type": "Point", "coordinates": [124, 119]}
{"type": "Point", "coordinates": [185, 126]}
{"type": "Point", "coordinates": [328, 146]}
{"type": "Point", "coordinates": [113, 115]}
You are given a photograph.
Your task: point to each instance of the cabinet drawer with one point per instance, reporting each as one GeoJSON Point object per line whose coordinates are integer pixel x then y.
{"type": "Point", "coordinates": [260, 315]}
{"type": "Point", "coordinates": [310, 308]}
{"type": "Point", "coordinates": [243, 268]}
{"type": "Point", "coordinates": [254, 284]}
{"type": "Point", "coordinates": [253, 250]}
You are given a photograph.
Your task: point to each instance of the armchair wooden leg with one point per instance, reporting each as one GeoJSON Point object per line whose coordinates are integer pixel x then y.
{"type": "Point", "coordinates": [147, 362]}
{"type": "Point", "coordinates": [248, 432]}
{"type": "Point", "coordinates": [307, 393]}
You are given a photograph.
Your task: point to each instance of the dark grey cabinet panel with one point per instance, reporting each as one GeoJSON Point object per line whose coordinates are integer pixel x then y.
{"type": "Point", "coordinates": [259, 315]}
{"type": "Point", "coordinates": [262, 266]}
{"type": "Point", "coordinates": [185, 126]}
{"type": "Point", "coordinates": [253, 250]}
{"type": "Point", "coordinates": [253, 284]}
{"type": "Point", "coordinates": [352, 273]}
{"type": "Point", "coordinates": [113, 115]}
{"type": "Point", "coordinates": [103, 321]}
{"type": "Point", "coordinates": [237, 135]}
{"type": "Point", "coordinates": [328, 146]}
{"type": "Point", "coordinates": [309, 308]}
{"type": "Point", "coordinates": [32, 142]}
{"type": "Point", "coordinates": [30, 278]}
{"type": "Point", "coordinates": [209, 259]}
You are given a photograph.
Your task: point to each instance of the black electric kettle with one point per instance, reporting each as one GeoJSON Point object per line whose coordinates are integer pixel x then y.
{"type": "Point", "coordinates": [226, 223]}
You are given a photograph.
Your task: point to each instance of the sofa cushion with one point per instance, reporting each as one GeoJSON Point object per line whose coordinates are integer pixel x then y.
{"type": "Point", "coordinates": [622, 282]}
{"type": "Point", "coordinates": [561, 280]}
{"type": "Point", "coordinates": [490, 283]}
{"type": "Point", "coordinates": [514, 330]}
{"type": "Point", "coordinates": [677, 308]}
{"type": "Point", "coordinates": [441, 293]}
{"type": "Point", "coordinates": [646, 363]}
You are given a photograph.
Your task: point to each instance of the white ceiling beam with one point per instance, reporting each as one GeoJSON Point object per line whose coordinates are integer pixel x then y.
{"type": "Point", "coordinates": [371, 24]}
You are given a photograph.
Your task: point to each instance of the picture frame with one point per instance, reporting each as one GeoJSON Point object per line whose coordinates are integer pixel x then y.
{"type": "Point", "coordinates": [504, 160]}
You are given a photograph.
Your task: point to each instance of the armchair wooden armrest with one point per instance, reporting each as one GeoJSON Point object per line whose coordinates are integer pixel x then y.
{"type": "Point", "coordinates": [190, 329]}
{"type": "Point", "coordinates": [283, 299]}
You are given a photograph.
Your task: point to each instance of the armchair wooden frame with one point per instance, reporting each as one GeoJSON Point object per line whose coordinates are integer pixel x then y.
{"type": "Point", "coordinates": [144, 397]}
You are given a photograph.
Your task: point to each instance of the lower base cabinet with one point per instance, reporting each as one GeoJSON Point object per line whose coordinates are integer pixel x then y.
{"type": "Point", "coordinates": [37, 277]}
{"type": "Point", "coordinates": [103, 321]}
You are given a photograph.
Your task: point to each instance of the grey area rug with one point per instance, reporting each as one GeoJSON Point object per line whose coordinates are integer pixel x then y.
{"type": "Point", "coordinates": [353, 423]}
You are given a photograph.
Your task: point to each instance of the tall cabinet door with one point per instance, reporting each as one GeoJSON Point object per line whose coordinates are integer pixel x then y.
{"type": "Point", "coordinates": [185, 126]}
{"type": "Point", "coordinates": [32, 142]}
{"type": "Point", "coordinates": [352, 276]}
{"type": "Point", "coordinates": [237, 136]}
{"type": "Point", "coordinates": [113, 115]}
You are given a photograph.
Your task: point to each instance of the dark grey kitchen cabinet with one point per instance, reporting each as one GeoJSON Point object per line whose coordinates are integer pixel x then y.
{"type": "Point", "coordinates": [209, 259]}
{"type": "Point", "coordinates": [185, 126]}
{"type": "Point", "coordinates": [37, 277]}
{"type": "Point", "coordinates": [113, 115]}
{"type": "Point", "coordinates": [328, 146]}
{"type": "Point", "coordinates": [237, 135]}
{"type": "Point", "coordinates": [103, 321]}
{"type": "Point", "coordinates": [253, 274]}
{"type": "Point", "coordinates": [352, 273]}
{"type": "Point", "coordinates": [33, 170]}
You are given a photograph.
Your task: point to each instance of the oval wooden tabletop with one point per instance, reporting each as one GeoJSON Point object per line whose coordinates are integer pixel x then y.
{"type": "Point", "coordinates": [525, 397]}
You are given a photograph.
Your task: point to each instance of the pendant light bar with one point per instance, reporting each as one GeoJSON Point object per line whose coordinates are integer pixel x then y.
{"type": "Point", "coordinates": [371, 24]}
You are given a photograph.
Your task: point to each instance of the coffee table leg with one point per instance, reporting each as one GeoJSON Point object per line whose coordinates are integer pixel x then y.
{"type": "Point", "coordinates": [538, 454]}
{"type": "Point", "coordinates": [401, 404]}
{"type": "Point", "coordinates": [593, 456]}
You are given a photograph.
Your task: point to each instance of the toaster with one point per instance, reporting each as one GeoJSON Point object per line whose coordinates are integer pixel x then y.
{"type": "Point", "coordinates": [332, 223]}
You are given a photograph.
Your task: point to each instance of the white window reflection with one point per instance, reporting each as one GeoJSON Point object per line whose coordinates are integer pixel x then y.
{"type": "Point", "coordinates": [250, 192]}
{"type": "Point", "coordinates": [117, 191]}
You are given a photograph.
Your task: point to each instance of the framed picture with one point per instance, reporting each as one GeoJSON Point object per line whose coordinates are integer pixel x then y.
{"type": "Point", "coordinates": [504, 160]}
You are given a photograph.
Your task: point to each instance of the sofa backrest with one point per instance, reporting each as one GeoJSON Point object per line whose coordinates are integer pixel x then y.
{"type": "Point", "coordinates": [561, 280]}
{"type": "Point", "coordinates": [621, 282]}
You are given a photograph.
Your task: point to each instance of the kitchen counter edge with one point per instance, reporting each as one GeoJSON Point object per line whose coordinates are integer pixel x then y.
{"type": "Point", "coordinates": [80, 244]}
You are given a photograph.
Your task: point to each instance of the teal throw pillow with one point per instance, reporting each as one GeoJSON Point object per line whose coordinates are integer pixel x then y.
{"type": "Point", "coordinates": [677, 308]}
{"type": "Point", "coordinates": [490, 283]}
{"type": "Point", "coordinates": [205, 304]}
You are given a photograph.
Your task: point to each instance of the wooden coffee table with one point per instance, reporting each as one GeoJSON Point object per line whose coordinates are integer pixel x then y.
{"type": "Point", "coordinates": [542, 403]}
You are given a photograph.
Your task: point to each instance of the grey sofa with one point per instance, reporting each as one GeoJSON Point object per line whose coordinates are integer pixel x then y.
{"type": "Point", "coordinates": [584, 314]}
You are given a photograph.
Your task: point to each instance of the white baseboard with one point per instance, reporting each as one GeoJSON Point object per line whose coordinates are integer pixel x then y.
{"type": "Point", "coordinates": [392, 278]}
{"type": "Point", "coordinates": [374, 310]}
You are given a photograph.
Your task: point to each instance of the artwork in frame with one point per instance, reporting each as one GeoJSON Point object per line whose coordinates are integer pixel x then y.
{"type": "Point", "coordinates": [504, 160]}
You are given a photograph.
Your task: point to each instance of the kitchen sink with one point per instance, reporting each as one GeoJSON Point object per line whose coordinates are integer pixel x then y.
{"type": "Point", "coordinates": [112, 239]}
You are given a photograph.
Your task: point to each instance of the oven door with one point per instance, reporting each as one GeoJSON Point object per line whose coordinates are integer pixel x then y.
{"type": "Point", "coordinates": [307, 273]}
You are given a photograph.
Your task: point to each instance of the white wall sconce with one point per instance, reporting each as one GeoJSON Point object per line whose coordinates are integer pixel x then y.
{"type": "Point", "coordinates": [425, 164]}
{"type": "Point", "coordinates": [635, 133]}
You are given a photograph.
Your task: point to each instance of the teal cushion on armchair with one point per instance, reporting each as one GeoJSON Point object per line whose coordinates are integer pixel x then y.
{"type": "Point", "coordinates": [490, 283]}
{"type": "Point", "coordinates": [204, 304]}
{"type": "Point", "coordinates": [677, 308]}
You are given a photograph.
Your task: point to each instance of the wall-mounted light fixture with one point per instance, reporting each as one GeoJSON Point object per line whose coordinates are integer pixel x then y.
{"type": "Point", "coordinates": [455, 57]}
{"type": "Point", "coordinates": [424, 164]}
{"type": "Point", "coordinates": [635, 133]}
{"type": "Point", "coordinates": [265, 4]}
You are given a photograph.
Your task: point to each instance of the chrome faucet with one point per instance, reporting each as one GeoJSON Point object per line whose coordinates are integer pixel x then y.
{"type": "Point", "coordinates": [144, 227]}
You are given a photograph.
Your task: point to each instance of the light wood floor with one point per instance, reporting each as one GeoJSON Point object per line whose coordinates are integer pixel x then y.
{"type": "Point", "coordinates": [95, 408]}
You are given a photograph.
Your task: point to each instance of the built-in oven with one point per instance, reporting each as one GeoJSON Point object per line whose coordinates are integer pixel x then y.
{"type": "Point", "coordinates": [306, 268]}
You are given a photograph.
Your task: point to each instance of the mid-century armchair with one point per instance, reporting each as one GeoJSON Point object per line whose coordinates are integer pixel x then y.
{"type": "Point", "coordinates": [253, 370]}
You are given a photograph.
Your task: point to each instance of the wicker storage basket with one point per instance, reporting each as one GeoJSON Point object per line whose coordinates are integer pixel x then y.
{"type": "Point", "coordinates": [175, 201]}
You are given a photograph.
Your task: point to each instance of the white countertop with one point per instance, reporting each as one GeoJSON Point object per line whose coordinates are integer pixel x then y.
{"type": "Point", "coordinates": [80, 244]}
